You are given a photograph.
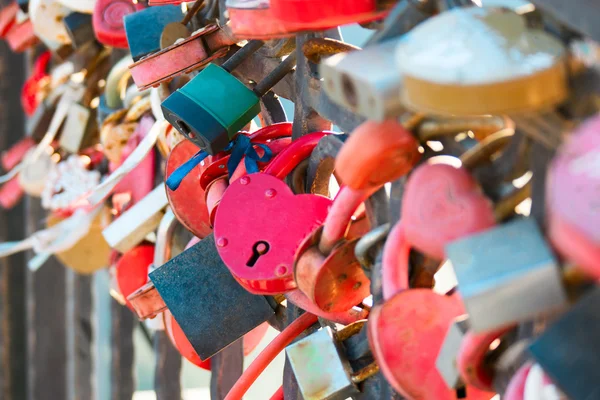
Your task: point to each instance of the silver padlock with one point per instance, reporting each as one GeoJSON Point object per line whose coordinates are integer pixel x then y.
{"type": "Point", "coordinates": [77, 129]}
{"type": "Point", "coordinates": [365, 81]}
{"type": "Point", "coordinates": [446, 361]}
{"type": "Point", "coordinates": [507, 275]}
{"type": "Point", "coordinates": [322, 370]}
{"type": "Point", "coordinates": [135, 224]}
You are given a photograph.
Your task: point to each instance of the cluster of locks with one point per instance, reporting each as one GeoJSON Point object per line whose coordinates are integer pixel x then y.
{"type": "Point", "coordinates": [446, 246]}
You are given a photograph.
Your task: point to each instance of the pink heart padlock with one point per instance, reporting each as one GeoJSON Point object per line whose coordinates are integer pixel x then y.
{"type": "Point", "coordinates": [573, 197]}
{"type": "Point", "coordinates": [260, 222]}
{"type": "Point", "coordinates": [441, 204]}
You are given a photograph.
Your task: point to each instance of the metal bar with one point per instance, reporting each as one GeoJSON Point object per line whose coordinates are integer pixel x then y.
{"type": "Point", "coordinates": [122, 360]}
{"type": "Point", "coordinates": [13, 275]}
{"type": "Point", "coordinates": [167, 372]}
{"type": "Point", "coordinates": [226, 368]}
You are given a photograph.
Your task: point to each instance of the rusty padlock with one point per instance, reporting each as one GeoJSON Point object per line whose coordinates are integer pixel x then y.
{"type": "Point", "coordinates": [262, 259]}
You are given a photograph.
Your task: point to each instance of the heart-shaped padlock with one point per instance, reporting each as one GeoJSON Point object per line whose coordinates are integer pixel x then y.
{"type": "Point", "coordinates": [260, 223]}
{"type": "Point", "coordinates": [441, 204]}
{"type": "Point", "coordinates": [573, 191]}
{"type": "Point", "coordinates": [406, 334]}
{"type": "Point", "coordinates": [132, 269]}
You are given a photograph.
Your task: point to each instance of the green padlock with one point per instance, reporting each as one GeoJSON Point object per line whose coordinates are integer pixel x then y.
{"type": "Point", "coordinates": [211, 108]}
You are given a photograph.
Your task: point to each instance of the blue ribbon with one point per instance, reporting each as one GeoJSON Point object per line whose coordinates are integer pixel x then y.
{"type": "Point", "coordinates": [242, 146]}
{"type": "Point", "coordinates": [180, 173]}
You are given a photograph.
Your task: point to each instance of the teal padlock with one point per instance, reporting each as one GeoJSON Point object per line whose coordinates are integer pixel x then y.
{"type": "Point", "coordinates": [212, 108]}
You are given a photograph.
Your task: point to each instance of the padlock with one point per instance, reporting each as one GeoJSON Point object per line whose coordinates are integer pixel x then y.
{"type": "Point", "coordinates": [193, 52]}
{"type": "Point", "coordinates": [91, 252]}
{"type": "Point", "coordinates": [37, 84]}
{"type": "Point", "coordinates": [262, 259]}
{"type": "Point", "coordinates": [8, 14]}
{"type": "Point", "coordinates": [47, 18]}
{"type": "Point", "coordinates": [440, 204]}
{"type": "Point", "coordinates": [254, 19]}
{"type": "Point", "coordinates": [144, 28]}
{"type": "Point", "coordinates": [571, 195]}
{"type": "Point", "coordinates": [34, 175]}
{"type": "Point", "coordinates": [392, 152]}
{"type": "Point", "coordinates": [310, 15]}
{"type": "Point", "coordinates": [108, 21]}
{"type": "Point", "coordinates": [364, 82]}
{"type": "Point", "coordinates": [510, 265]}
{"type": "Point", "coordinates": [132, 269]}
{"type": "Point", "coordinates": [406, 334]}
{"type": "Point", "coordinates": [522, 70]}
{"type": "Point", "coordinates": [186, 284]}
{"type": "Point", "coordinates": [67, 183]}
{"type": "Point", "coordinates": [79, 129]}
{"type": "Point", "coordinates": [321, 367]}
{"type": "Point", "coordinates": [214, 106]}
{"type": "Point", "coordinates": [181, 343]}
{"type": "Point", "coordinates": [136, 223]}
{"type": "Point", "coordinates": [566, 349]}
{"type": "Point", "coordinates": [21, 36]}
{"type": "Point", "coordinates": [11, 193]}
{"type": "Point", "coordinates": [11, 157]}
{"type": "Point", "coordinates": [79, 28]}
{"type": "Point", "coordinates": [115, 134]}
{"type": "Point", "coordinates": [446, 359]}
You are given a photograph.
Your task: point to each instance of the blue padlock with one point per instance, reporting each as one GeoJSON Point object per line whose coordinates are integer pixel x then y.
{"type": "Point", "coordinates": [211, 108]}
{"type": "Point", "coordinates": [145, 27]}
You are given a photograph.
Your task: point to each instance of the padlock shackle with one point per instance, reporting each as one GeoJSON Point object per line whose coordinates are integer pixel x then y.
{"type": "Point", "coordinates": [274, 131]}
{"type": "Point", "coordinates": [242, 54]}
{"type": "Point", "coordinates": [263, 360]}
{"type": "Point", "coordinates": [471, 358]}
{"type": "Point", "coordinates": [289, 158]}
{"type": "Point", "coordinates": [395, 267]}
{"type": "Point", "coordinates": [340, 214]}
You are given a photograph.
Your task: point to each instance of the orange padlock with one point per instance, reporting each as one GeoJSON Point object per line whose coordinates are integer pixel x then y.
{"type": "Point", "coordinates": [391, 153]}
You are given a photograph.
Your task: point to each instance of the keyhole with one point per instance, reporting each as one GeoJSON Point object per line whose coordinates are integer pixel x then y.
{"type": "Point", "coordinates": [260, 249]}
{"type": "Point", "coordinates": [461, 393]}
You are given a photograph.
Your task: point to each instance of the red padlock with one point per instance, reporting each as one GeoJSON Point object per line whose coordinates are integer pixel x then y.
{"type": "Point", "coordinates": [408, 330]}
{"type": "Point", "coordinates": [303, 15]}
{"type": "Point", "coordinates": [8, 15]}
{"type": "Point", "coordinates": [392, 152]}
{"type": "Point", "coordinates": [442, 203]}
{"type": "Point", "coordinates": [21, 37]}
{"type": "Point", "coordinates": [108, 21]}
{"type": "Point", "coordinates": [188, 201]}
{"type": "Point", "coordinates": [260, 222]}
{"type": "Point", "coordinates": [182, 57]}
{"type": "Point", "coordinates": [11, 193]}
{"type": "Point", "coordinates": [326, 268]}
{"type": "Point", "coordinates": [11, 157]}
{"type": "Point", "coordinates": [30, 93]}
{"type": "Point", "coordinates": [256, 20]}
{"type": "Point", "coordinates": [572, 195]}
{"type": "Point", "coordinates": [164, 2]}
{"type": "Point", "coordinates": [346, 317]}
{"type": "Point", "coordinates": [132, 270]}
